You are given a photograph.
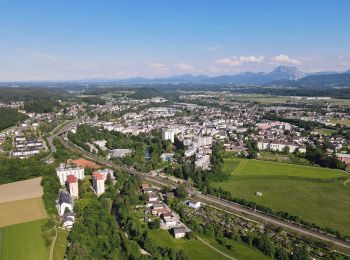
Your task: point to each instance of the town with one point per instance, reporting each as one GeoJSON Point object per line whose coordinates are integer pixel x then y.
{"type": "Point", "coordinates": [175, 130]}
{"type": "Point", "coordinates": [178, 149]}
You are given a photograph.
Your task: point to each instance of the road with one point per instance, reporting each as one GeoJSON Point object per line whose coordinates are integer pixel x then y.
{"type": "Point", "coordinates": [206, 198]}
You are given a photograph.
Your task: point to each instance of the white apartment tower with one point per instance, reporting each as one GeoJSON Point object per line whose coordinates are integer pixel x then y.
{"type": "Point", "coordinates": [73, 186]}
{"type": "Point", "coordinates": [98, 183]}
{"type": "Point", "coordinates": [62, 172]}
{"type": "Point", "coordinates": [168, 134]}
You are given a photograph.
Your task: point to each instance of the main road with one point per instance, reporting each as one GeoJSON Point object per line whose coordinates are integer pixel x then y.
{"type": "Point", "coordinates": [211, 200]}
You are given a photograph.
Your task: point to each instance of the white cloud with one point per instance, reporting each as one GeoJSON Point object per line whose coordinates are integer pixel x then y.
{"type": "Point", "coordinates": [184, 67]}
{"type": "Point", "coordinates": [215, 47]}
{"type": "Point", "coordinates": [156, 65]}
{"type": "Point", "coordinates": [236, 61]}
{"type": "Point", "coordinates": [282, 58]}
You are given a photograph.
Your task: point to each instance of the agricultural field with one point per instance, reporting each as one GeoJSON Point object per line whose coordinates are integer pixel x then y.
{"type": "Point", "coordinates": [21, 190]}
{"type": "Point", "coordinates": [263, 99]}
{"type": "Point", "coordinates": [341, 102]}
{"type": "Point", "coordinates": [21, 211]}
{"type": "Point", "coordinates": [196, 249]}
{"type": "Point", "coordinates": [21, 202]}
{"type": "Point", "coordinates": [279, 157]}
{"type": "Point", "coordinates": [314, 194]}
{"type": "Point", "coordinates": [345, 122]}
{"type": "Point", "coordinates": [23, 242]}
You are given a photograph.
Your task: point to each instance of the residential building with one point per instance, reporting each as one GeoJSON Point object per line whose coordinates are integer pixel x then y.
{"type": "Point", "coordinates": [118, 153]}
{"type": "Point", "coordinates": [203, 162]}
{"type": "Point", "coordinates": [194, 204]}
{"type": "Point", "coordinates": [73, 186]}
{"type": "Point", "coordinates": [343, 157]}
{"type": "Point", "coordinates": [68, 220]}
{"type": "Point", "coordinates": [65, 201]}
{"type": "Point", "coordinates": [168, 134]}
{"type": "Point", "coordinates": [98, 183]}
{"type": "Point", "coordinates": [105, 173]}
{"type": "Point", "coordinates": [63, 171]}
{"type": "Point", "coordinates": [179, 232]}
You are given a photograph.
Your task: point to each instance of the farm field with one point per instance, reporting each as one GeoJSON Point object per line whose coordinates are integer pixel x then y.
{"type": "Point", "coordinates": [278, 157]}
{"type": "Point", "coordinates": [23, 242]}
{"type": "Point", "coordinates": [20, 190]}
{"type": "Point", "coordinates": [263, 99]}
{"type": "Point", "coordinates": [21, 202]}
{"type": "Point", "coordinates": [196, 249]}
{"type": "Point", "coordinates": [345, 122]}
{"type": "Point", "coordinates": [314, 194]}
{"type": "Point", "coordinates": [21, 211]}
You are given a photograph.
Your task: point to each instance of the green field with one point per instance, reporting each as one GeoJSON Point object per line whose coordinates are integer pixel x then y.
{"type": "Point", "coordinates": [23, 241]}
{"type": "Point", "coordinates": [314, 194]}
{"type": "Point", "coordinates": [325, 131]}
{"type": "Point", "coordinates": [60, 244]}
{"type": "Point", "coordinates": [195, 249]}
{"type": "Point", "coordinates": [263, 99]}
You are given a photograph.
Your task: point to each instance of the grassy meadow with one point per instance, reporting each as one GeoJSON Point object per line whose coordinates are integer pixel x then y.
{"type": "Point", "coordinates": [23, 242]}
{"type": "Point", "coordinates": [314, 194]}
{"type": "Point", "coordinates": [60, 244]}
{"type": "Point", "coordinates": [196, 249]}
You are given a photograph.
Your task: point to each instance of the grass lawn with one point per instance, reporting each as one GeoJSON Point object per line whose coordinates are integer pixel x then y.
{"type": "Point", "coordinates": [21, 211]}
{"type": "Point", "coordinates": [239, 251]}
{"type": "Point", "coordinates": [325, 131]}
{"type": "Point", "coordinates": [23, 241]}
{"type": "Point", "coordinates": [195, 249]}
{"type": "Point", "coordinates": [60, 244]}
{"type": "Point", "coordinates": [315, 194]}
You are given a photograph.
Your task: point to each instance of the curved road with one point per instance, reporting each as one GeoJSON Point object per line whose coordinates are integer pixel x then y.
{"type": "Point", "coordinates": [206, 198]}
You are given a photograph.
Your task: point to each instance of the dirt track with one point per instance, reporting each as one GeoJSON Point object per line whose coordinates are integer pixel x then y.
{"type": "Point", "coordinates": [21, 190]}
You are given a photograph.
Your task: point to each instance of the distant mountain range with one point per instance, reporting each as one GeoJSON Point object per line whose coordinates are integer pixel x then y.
{"type": "Point", "coordinates": [283, 75]}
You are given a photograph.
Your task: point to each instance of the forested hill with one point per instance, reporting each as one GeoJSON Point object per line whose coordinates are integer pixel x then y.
{"type": "Point", "coordinates": [144, 93]}
{"type": "Point", "coordinates": [10, 117]}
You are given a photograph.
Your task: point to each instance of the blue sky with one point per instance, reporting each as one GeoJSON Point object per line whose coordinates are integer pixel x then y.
{"type": "Point", "coordinates": [65, 39]}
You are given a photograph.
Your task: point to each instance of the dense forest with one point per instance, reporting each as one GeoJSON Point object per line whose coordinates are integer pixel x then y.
{"type": "Point", "coordinates": [40, 105]}
{"type": "Point", "coordinates": [145, 93]}
{"type": "Point", "coordinates": [11, 94]}
{"type": "Point", "coordinates": [12, 169]}
{"type": "Point", "coordinates": [10, 117]}
{"type": "Point", "coordinates": [93, 100]}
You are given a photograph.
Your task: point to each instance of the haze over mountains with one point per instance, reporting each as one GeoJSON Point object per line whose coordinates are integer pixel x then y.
{"type": "Point", "coordinates": [282, 75]}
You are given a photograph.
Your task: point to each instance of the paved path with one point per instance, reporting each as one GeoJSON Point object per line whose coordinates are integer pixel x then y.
{"type": "Point", "coordinates": [217, 250]}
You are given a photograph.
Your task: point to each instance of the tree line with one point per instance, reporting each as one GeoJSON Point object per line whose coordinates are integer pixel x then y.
{"type": "Point", "coordinates": [10, 117]}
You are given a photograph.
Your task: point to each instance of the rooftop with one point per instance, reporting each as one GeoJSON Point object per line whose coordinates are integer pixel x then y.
{"type": "Point", "coordinates": [98, 176]}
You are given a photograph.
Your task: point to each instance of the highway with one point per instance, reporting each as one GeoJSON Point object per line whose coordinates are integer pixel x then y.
{"type": "Point", "coordinates": [202, 197]}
